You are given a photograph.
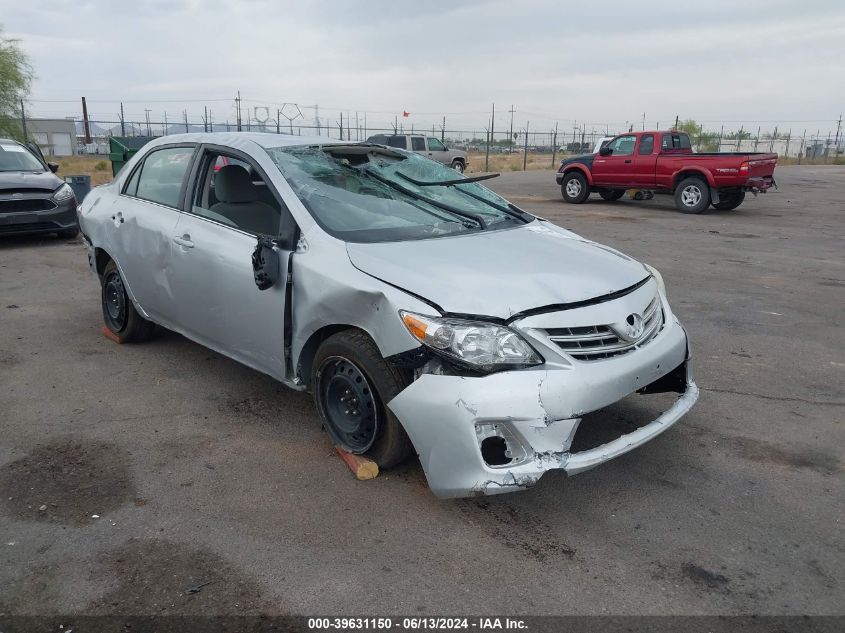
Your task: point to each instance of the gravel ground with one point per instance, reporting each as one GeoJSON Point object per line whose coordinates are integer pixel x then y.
{"type": "Point", "coordinates": [164, 478]}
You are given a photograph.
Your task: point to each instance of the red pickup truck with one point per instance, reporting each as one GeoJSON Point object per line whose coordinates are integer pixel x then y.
{"type": "Point", "coordinates": [665, 163]}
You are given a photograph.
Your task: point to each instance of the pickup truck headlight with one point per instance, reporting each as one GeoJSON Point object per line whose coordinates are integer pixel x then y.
{"type": "Point", "coordinates": [657, 277]}
{"type": "Point", "coordinates": [63, 193]}
{"type": "Point", "coordinates": [483, 346]}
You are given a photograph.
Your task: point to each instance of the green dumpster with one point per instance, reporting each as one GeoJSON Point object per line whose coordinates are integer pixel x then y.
{"type": "Point", "coordinates": [122, 148]}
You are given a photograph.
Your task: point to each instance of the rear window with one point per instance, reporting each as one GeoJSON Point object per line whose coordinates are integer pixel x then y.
{"type": "Point", "coordinates": [397, 141]}
{"type": "Point", "coordinates": [676, 141]}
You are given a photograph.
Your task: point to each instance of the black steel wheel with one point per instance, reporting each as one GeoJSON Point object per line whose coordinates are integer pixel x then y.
{"type": "Point", "coordinates": [120, 316]}
{"type": "Point", "coordinates": [348, 404]}
{"type": "Point", "coordinates": [352, 383]}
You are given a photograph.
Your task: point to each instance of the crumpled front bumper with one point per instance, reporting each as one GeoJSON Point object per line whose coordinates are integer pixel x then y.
{"type": "Point", "coordinates": [536, 412]}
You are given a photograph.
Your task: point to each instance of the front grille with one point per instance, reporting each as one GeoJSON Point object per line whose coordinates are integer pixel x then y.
{"type": "Point", "coordinates": [596, 342]}
{"type": "Point", "coordinates": [26, 204]}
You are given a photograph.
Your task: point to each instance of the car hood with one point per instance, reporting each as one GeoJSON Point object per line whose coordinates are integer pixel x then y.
{"type": "Point", "coordinates": [45, 180]}
{"type": "Point", "coordinates": [500, 273]}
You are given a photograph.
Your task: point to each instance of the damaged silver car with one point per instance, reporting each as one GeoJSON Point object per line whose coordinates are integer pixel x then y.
{"type": "Point", "coordinates": [424, 312]}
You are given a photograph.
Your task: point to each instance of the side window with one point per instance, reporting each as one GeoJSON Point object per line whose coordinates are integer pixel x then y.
{"type": "Point", "coordinates": [434, 145]}
{"type": "Point", "coordinates": [417, 144]}
{"type": "Point", "coordinates": [162, 174]}
{"type": "Point", "coordinates": [623, 145]}
{"type": "Point", "coordinates": [397, 141]}
{"type": "Point", "coordinates": [676, 141]}
{"type": "Point", "coordinates": [231, 191]}
{"type": "Point", "coordinates": [132, 186]}
{"type": "Point", "coordinates": [647, 144]}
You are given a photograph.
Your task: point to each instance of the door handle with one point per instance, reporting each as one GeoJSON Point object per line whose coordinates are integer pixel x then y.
{"type": "Point", "coordinates": [627, 161]}
{"type": "Point", "coordinates": [184, 241]}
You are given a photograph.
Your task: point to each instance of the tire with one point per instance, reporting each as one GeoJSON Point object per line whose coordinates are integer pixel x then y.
{"type": "Point", "coordinates": [692, 195]}
{"type": "Point", "coordinates": [349, 379]}
{"type": "Point", "coordinates": [458, 166]}
{"type": "Point", "coordinates": [574, 188]}
{"type": "Point", "coordinates": [730, 201]}
{"type": "Point", "coordinates": [119, 313]}
{"type": "Point", "coordinates": [611, 195]}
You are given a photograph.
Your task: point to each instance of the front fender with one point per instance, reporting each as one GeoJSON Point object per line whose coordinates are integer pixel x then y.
{"type": "Point", "coordinates": [583, 169]}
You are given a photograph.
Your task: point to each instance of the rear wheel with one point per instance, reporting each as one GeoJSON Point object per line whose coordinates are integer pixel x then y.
{"type": "Point", "coordinates": [351, 384]}
{"type": "Point", "coordinates": [692, 195]}
{"type": "Point", "coordinates": [119, 314]}
{"type": "Point", "coordinates": [574, 187]}
{"type": "Point", "coordinates": [729, 201]}
{"type": "Point", "coordinates": [611, 195]}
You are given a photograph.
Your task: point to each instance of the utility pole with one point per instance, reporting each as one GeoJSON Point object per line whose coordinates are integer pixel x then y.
{"type": "Point", "coordinates": [801, 149]}
{"type": "Point", "coordinates": [23, 122]}
{"type": "Point", "coordinates": [238, 108]}
{"type": "Point", "coordinates": [487, 154]}
{"type": "Point", "coordinates": [205, 118]}
{"type": "Point", "coordinates": [493, 127]}
{"type": "Point", "coordinates": [85, 123]}
{"type": "Point", "coordinates": [676, 122]}
{"type": "Point", "coordinates": [525, 149]}
{"type": "Point", "coordinates": [341, 126]}
{"type": "Point", "coordinates": [836, 139]}
{"type": "Point", "coordinates": [166, 125]}
{"type": "Point", "coordinates": [122, 124]}
{"type": "Point", "coordinates": [357, 128]}
{"type": "Point", "coordinates": [443, 131]}
{"type": "Point", "coordinates": [185, 114]}
{"type": "Point", "coordinates": [395, 124]}
{"type": "Point", "coordinates": [643, 121]}
{"type": "Point", "coordinates": [510, 138]}
{"type": "Point", "coordinates": [554, 145]}
{"type": "Point", "coordinates": [147, 116]}
{"type": "Point", "coordinates": [278, 118]}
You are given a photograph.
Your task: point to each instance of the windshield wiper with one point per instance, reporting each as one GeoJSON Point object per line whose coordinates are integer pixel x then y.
{"type": "Point", "coordinates": [446, 183]}
{"type": "Point", "coordinates": [510, 210]}
{"type": "Point", "coordinates": [408, 192]}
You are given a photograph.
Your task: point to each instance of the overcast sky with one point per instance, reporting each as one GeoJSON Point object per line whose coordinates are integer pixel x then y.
{"type": "Point", "coordinates": [741, 62]}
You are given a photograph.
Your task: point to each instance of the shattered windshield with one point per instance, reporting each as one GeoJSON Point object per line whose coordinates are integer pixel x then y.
{"type": "Point", "coordinates": [363, 194]}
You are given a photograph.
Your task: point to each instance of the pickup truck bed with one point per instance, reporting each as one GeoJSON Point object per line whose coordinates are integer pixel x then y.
{"type": "Point", "coordinates": [664, 162]}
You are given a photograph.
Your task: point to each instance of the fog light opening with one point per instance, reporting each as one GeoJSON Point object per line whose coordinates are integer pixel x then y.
{"type": "Point", "coordinates": [495, 452]}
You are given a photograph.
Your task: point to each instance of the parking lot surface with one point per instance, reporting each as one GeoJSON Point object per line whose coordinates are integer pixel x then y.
{"type": "Point", "coordinates": [132, 475]}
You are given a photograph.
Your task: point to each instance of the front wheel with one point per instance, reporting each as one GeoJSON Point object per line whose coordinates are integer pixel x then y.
{"type": "Point", "coordinates": [730, 201]}
{"type": "Point", "coordinates": [611, 195]}
{"type": "Point", "coordinates": [574, 187]}
{"type": "Point", "coordinates": [692, 195]}
{"type": "Point", "coordinates": [119, 314]}
{"type": "Point", "coordinates": [351, 383]}
{"type": "Point", "coordinates": [458, 166]}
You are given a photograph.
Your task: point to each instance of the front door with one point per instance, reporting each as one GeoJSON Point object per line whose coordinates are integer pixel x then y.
{"type": "Point", "coordinates": [437, 150]}
{"type": "Point", "coordinates": [644, 162]}
{"type": "Point", "coordinates": [614, 170]}
{"type": "Point", "coordinates": [212, 276]}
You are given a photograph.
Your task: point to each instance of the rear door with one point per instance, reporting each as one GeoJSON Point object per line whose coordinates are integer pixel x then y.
{"type": "Point", "coordinates": [615, 169]}
{"type": "Point", "coordinates": [219, 304]}
{"type": "Point", "coordinates": [418, 145]}
{"type": "Point", "coordinates": [643, 162]}
{"type": "Point", "coordinates": [143, 218]}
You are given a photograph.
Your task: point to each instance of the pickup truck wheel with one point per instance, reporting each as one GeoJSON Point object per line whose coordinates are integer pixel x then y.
{"type": "Point", "coordinates": [351, 383]}
{"type": "Point", "coordinates": [729, 202]}
{"type": "Point", "coordinates": [692, 195]}
{"type": "Point", "coordinates": [574, 187]}
{"type": "Point", "coordinates": [119, 314]}
{"type": "Point", "coordinates": [611, 195]}
{"type": "Point", "coordinates": [458, 166]}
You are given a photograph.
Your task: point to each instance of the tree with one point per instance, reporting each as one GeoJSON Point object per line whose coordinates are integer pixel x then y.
{"type": "Point", "coordinates": [15, 80]}
{"type": "Point", "coordinates": [702, 140]}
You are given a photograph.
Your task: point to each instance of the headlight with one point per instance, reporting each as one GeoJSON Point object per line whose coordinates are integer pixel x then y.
{"type": "Point", "coordinates": [63, 193]}
{"type": "Point", "coordinates": [483, 346]}
{"type": "Point", "coordinates": [657, 277]}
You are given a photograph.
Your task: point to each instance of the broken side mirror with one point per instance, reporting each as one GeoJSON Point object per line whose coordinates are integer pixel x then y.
{"type": "Point", "coordinates": [265, 263]}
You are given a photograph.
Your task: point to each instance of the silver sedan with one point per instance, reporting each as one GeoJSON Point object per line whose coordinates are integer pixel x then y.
{"type": "Point", "coordinates": [424, 312]}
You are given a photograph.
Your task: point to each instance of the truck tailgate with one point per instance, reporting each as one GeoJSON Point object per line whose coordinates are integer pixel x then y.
{"type": "Point", "coordinates": [760, 165]}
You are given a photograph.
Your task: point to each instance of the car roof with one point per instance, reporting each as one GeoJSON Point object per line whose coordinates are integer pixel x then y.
{"type": "Point", "coordinates": [236, 139]}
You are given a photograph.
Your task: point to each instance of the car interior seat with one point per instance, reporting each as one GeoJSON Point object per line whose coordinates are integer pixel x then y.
{"type": "Point", "coordinates": [239, 203]}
